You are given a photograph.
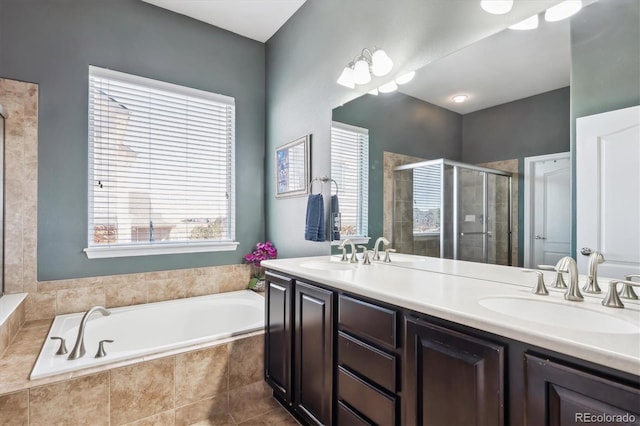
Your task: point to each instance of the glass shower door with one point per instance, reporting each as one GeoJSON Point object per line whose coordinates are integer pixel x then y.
{"type": "Point", "coordinates": [471, 217]}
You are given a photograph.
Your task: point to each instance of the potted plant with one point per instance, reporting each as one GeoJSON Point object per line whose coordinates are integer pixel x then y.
{"type": "Point", "coordinates": [263, 251]}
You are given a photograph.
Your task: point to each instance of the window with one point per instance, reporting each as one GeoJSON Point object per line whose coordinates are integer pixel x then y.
{"type": "Point", "coordinates": [161, 167]}
{"type": "Point", "coordinates": [426, 199]}
{"type": "Point", "coordinates": [350, 169]}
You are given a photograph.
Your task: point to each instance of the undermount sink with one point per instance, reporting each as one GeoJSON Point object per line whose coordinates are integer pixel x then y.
{"type": "Point", "coordinates": [559, 315]}
{"type": "Point", "coordinates": [328, 265]}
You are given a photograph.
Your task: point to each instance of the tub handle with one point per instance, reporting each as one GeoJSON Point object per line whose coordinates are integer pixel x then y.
{"type": "Point", "coordinates": [101, 352]}
{"type": "Point", "coordinates": [62, 349]}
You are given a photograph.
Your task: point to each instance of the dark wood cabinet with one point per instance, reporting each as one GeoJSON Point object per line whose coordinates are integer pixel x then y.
{"type": "Point", "coordinates": [335, 358]}
{"type": "Point", "coordinates": [279, 335]}
{"type": "Point", "coordinates": [313, 371]}
{"type": "Point", "coordinates": [451, 378]}
{"type": "Point", "coordinates": [557, 394]}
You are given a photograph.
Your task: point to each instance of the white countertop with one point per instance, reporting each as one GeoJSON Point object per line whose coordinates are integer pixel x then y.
{"type": "Point", "coordinates": [453, 290]}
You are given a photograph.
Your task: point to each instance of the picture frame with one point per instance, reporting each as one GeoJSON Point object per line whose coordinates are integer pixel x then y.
{"type": "Point", "coordinates": [292, 168]}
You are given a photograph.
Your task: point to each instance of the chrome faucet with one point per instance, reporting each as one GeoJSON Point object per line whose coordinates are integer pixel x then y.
{"type": "Point", "coordinates": [353, 258]}
{"type": "Point", "coordinates": [591, 286]}
{"type": "Point", "coordinates": [376, 249]}
{"type": "Point", "coordinates": [568, 264]}
{"type": "Point", "coordinates": [78, 349]}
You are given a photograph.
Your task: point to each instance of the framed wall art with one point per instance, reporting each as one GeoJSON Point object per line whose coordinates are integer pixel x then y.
{"type": "Point", "coordinates": [292, 168]}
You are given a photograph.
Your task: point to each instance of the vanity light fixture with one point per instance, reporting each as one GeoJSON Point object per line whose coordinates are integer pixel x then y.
{"type": "Point", "coordinates": [388, 87]}
{"type": "Point", "coordinates": [497, 7]}
{"type": "Point", "coordinates": [459, 98]}
{"type": "Point", "coordinates": [360, 69]}
{"type": "Point", "coordinates": [530, 23]}
{"type": "Point", "coordinates": [563, 10]}
{"type": "Point", "coordinates": [405, 78]}
{"type": "Point", "coordinates": [373, 92]}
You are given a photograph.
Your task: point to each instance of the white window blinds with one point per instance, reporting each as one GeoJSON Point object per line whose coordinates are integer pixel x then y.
{"type": "Point", "coordinates": [427, 183]}
{"type": "Point", "coordinates": [161, 163]}
{"type": "Point", "coordinates": [350, 169]}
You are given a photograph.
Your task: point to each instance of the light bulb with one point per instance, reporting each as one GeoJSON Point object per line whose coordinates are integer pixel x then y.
{"type": "Point", "coordinates": [361, 72]}
{"type": "Point", "coordinates": [497, 7]}
{"type": "Point", "coordinates": [405, 78]}
{"type": "Point", "coordinates": [388, 87]}
{"type": "Point", "coordinates": [459, 98]}
{"type": "Point", "coordinates": [381, 64]}
{"type": "Point", "coordinates": [528, 24]}
{"type": "Point", "coordinates": [346, 79]}
{"type": "Point", "coordinates": [562, 10]}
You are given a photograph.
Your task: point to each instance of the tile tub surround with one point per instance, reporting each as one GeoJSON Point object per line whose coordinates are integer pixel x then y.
{"type": "Point", "coordinates": [220, 384]}
{"type": "Point", "coordinates": [12, 310]}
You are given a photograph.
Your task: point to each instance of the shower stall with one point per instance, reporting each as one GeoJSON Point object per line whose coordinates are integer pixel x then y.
{"type": "Point", "coordinates": [452, 210]}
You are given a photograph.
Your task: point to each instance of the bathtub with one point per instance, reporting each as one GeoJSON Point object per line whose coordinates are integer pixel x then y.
{"type": "Point", "coordinates": [138, 331]}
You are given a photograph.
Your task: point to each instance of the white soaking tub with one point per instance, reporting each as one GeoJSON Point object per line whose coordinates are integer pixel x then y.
{"type": "Point", "coordinates": [151, 328]}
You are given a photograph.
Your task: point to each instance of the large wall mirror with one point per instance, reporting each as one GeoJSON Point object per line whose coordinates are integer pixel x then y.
{"type": "Point", "coordinates": [516, 119]}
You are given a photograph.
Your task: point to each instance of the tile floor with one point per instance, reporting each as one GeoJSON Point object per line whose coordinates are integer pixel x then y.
{"type": "Point", "coordinates": [278, 416]}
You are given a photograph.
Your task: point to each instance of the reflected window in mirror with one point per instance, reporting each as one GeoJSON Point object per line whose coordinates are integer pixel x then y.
{"type": "Point", "coordinates": [350, 170]}
{"type": "Point", "coordinates": [427, 200]}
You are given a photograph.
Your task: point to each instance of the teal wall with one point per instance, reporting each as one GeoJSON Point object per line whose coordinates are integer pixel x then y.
{"type": "Point", "coordinates": [605, 64]}
{"type": "Point", "coordinates": [52, 43]}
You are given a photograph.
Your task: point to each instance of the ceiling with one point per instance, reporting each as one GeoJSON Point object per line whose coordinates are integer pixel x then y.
{"type": "Point", "coordinates": [505, 67]}
{"type": "Point", "coordinates": [255, 19]}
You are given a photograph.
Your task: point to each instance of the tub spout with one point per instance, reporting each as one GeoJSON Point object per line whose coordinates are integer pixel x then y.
{"type": "Point", "coordinates": [78, 349]}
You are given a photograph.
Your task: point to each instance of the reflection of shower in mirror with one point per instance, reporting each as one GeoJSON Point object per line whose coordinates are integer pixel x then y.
{"type": "Point", "coordinates": [452, 210]}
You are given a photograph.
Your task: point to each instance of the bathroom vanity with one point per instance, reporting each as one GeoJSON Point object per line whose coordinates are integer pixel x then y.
{"type": "Point", "coordinates": [418, 342]}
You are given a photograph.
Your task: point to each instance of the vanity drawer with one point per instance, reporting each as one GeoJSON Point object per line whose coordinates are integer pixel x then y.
{"type": "Point", "coordinates": [368, 320]}
{"type": "Point", "coordinates": [346, 417]}
{"type": "Point", "coordinates": [374, 364]}
{"type": "Point", "coordinates": [372, 403]}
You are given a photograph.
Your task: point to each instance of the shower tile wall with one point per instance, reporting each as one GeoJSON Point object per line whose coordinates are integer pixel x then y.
{"type": "Point", "coordinates": [49, 298]}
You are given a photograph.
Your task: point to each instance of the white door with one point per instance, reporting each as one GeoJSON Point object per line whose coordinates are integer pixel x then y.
{"type": "Point", "coordinates": [547, 209]}
{"type": "Point", "coordinates": [608, 190]}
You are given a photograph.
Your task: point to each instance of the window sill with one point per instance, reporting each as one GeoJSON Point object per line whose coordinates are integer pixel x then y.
{"type": "Point", "coordinates": [153, 249]}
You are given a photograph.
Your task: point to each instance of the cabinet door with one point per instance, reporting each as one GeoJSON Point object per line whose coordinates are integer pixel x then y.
{"type": "Point", "coordinates": [313, 369]}
{"type": "Point", "coordinates": [560, 395]}
{"type": "Point", "coordinates": [278, 335]}
{"type": "Point", "coordinates": [451, 378]}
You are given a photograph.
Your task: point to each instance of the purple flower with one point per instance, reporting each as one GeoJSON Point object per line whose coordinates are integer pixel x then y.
{"type": "Point", "coordinates": [262, 252]}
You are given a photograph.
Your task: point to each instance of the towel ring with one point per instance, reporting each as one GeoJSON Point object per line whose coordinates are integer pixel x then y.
{"type": "Point", "coordinates": [321, 185]}
{"type": "Point", "coordinates": [322, 180]}
{"type": "Point", "coordinates": [336, 183]}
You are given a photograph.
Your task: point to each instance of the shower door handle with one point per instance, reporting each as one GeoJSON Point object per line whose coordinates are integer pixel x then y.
{"type": "Point", "coordinates": [462, 234]}
{"type": "Point", "coordinates": [540, 237]}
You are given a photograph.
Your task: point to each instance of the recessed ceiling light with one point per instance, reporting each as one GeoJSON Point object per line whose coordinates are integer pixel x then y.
{"type": "Point", "coordinates": [563, 10]}
{"type": "Point", "coordinates": [459, 98]}
{"type": "Point", "coordinates": [497, 7]}
{"type": "Point", "coordinates": [528, 24]}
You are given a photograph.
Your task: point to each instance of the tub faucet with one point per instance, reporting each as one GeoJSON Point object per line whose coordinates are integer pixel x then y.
{"type": "Point", "coordinates": [595, 258]}
{"type": "Point", "coordinates": [568, 264]}
{"type": "Point", "coordinates": [78, 349]}
{"type": "Point", "coordinates": [376, 247]}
